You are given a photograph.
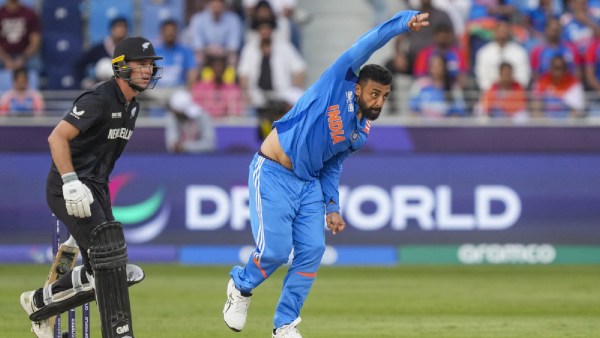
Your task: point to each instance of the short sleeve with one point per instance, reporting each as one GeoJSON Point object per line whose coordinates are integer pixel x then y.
{"type": "Point", "coordinates": [86, 110]}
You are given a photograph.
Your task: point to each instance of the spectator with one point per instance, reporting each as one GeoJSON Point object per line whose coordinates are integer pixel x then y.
{"type": "Point", "coordinates": [407, 46]}
{"type": "Point", "coordinates": [275, 110]}
{"type": "Point", "coordinates": [552, 45]}
{"type": "Point", "coordinates": [85, 66]}
{"type": "Point", "coordinates": [179, 66]}
{"type": "Point", "coordinates": [496, 9]}
{"type": "Point", "coordinates": [214, 94]}
{"type": "Point", "coordinates": [501, 49]}
{"type": "Point", "coordinates": [592, 65]}
{"type": "Point", "coordinates": [591, 60]}
{"type": "Point", "coordinates": [216, 30]}
{"type": "Point", "coordinates": [579, 25]}
{"type": "Point", "coordinates": [20, 38]}
{"type": "Point", "coordinates": [558, 93]}
{"type": "Point", "coordinates": [263, 11]}
{"type": "Point", "coordinates": [536, 19]}
{"type": "Point", "coordinates": [192, 7]}
{"type": "Point", "coordinates": [457, 10]}
{"type": "Point", "coordinates": [178, 60]}
{"type": "Point", "coordinates": [21, 100]}
{"type": "Point", "coordinates": [434, 96]}
{"type": "Point", "coordinates": [269, 68]}
{"type": "Point", "coordinates": [506, 98]}
{"type": "Point", "coordinates": [288, 16]}
{"type": "Point", "coordinates": [189, 129]}
{"type": "Point", "coordinates": [594, 9]}
{"type": "Point", "coordinates": [482, 21]}
{"type": "Point", "coordinates": [444, 45]}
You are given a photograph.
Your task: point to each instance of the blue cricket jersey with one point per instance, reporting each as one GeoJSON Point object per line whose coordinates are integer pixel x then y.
{"type": "Point", "coordinates": [322, 129]}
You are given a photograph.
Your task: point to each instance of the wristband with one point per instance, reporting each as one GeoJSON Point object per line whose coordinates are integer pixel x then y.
{"type": "Point", "coordinates": [69, 177]}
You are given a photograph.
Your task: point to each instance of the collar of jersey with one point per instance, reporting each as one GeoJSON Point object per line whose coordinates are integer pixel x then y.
{"type": "Point", "coordinates": [119, 93]}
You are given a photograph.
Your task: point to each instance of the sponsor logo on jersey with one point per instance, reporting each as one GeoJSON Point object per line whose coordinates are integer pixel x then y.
{"type": "Point", "coordinates": [123, 133]}
{"type": "Point", "coordinates": [350, 101]}
{"type": "Point", "coordinates": [335, 124]}
{"type": "Point", "coordinates": [76, 113]}
{"type": "Point", "coordinates": [116, 115]}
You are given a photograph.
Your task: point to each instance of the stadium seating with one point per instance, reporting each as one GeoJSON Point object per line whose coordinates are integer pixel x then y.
{"type": "Point", "coordinates": [154, 12]}
{"type": "Point", "coordinates": [61, 15]}
{"type": "Point", "coordinates": [60, 51]}
{"type": "Point", "coordinates": [60, 77]}
{"type": "Point", "coordinates": [61, 47]}
{"type": "Point", "coordinates": [61, 43]}
{"type": "Point", "coordinates": [100, 14]}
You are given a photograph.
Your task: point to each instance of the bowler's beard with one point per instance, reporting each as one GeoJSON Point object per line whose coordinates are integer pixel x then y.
{"type": "Point", "coordinates": [369, 113]}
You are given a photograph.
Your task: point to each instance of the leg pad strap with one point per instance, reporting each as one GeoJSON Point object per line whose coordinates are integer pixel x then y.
{"type": "Point", "coordinates": [72, 298]}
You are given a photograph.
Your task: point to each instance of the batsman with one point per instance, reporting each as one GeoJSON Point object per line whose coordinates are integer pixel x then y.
{"type": "Point", "coordinates": [85, 145]}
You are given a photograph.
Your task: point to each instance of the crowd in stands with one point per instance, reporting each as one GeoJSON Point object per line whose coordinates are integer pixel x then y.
{"type": "Point", "coordinates": [499, 58]}
{"type": "Point", "coordinates": [522, 59]}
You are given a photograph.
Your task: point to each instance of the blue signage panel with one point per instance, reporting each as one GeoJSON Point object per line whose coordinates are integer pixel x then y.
{"type": "Point", "coordinates": [383, 138]}
{"type": "Point", "coordinates": [339, 255]}
{"type": "Point", "coordinates": [386, 199]}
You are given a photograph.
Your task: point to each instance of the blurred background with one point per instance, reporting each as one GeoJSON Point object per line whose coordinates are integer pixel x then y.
{"type": "Point", "coordinates": [487, 151]}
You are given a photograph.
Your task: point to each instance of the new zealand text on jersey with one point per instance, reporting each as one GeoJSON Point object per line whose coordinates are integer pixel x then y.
{"type": "Point", "coordinates": [123, 133]}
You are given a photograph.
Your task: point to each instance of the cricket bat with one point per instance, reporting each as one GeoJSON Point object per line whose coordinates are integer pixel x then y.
{"type": "Point", "coordinates": [65, 260]}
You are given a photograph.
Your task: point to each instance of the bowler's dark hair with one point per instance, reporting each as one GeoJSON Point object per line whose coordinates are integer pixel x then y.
{"type": "Point", "coordinates": [375, 73]}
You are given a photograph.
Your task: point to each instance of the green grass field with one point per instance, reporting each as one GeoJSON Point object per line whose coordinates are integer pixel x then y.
{"type": "Point", "coordinates": [417, 301]}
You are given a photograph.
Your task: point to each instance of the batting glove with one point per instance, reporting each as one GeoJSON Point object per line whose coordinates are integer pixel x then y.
{"type": "Point", "coordinates": [78, 196]}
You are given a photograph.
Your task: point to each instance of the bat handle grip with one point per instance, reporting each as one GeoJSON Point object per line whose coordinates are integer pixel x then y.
{"type": "Point", "coordinates": [71, 241]}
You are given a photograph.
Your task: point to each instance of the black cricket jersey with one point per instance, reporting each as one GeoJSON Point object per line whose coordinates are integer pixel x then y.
{"type": "Point", "coordinates": [106, 122]}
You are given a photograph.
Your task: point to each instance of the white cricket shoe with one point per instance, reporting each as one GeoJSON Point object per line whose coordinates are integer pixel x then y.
{"type": "Point", "coordinates": [288, 331]}
{"type": "Point", "coordinates": [41, 329]}
{"type": "Point", "coordinates": [236, 308]}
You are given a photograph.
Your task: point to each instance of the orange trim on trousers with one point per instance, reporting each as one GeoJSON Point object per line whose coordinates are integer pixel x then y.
{"type": "Point", "coordinates": [257, 263]}
{"type": "Point", "coordinates": [308, 274]}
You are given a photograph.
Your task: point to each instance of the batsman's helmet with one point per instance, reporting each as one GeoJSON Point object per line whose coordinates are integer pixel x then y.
{"type": "Point", "coordinates": [134, 48]}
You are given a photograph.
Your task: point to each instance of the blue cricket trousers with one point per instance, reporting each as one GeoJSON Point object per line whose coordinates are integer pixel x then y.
{"type": "Point", "coordinates": [286, 213]}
